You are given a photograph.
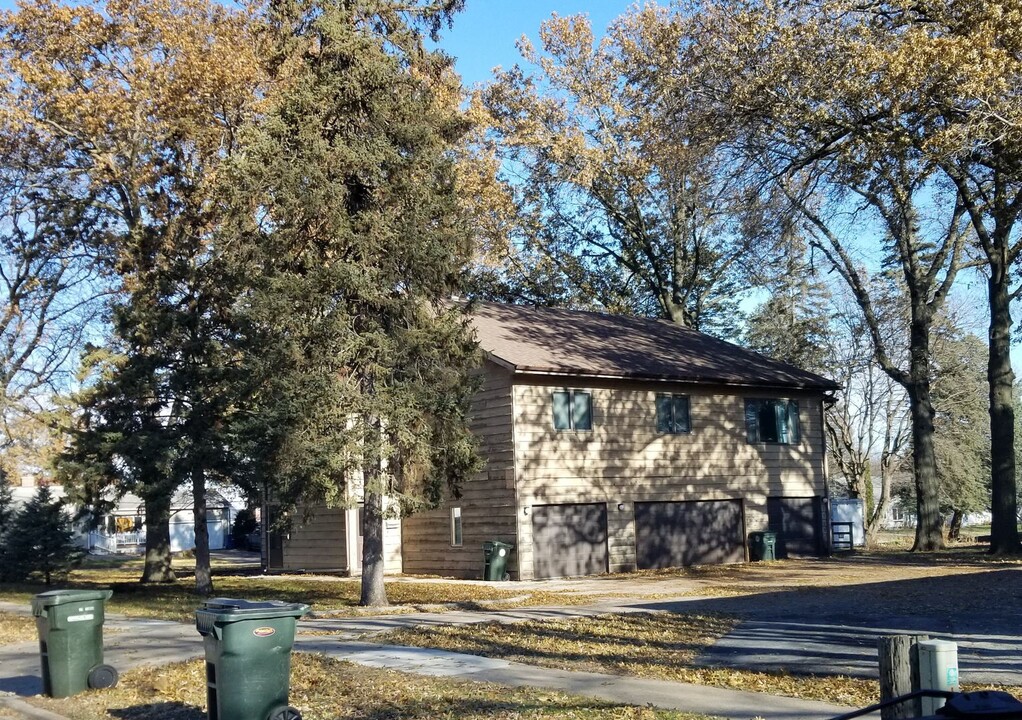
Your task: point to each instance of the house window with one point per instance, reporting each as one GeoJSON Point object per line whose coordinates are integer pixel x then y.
{"type": "Point", "coordinates": [573, 410]}
{"type": "Point", "coordinates": [772, 421]}
{"type": "Point", "coordinates": [672, 414]}
{"type": "Point", "coordinates": [456, 526]}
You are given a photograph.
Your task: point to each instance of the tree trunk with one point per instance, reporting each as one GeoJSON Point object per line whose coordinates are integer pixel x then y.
{"type": "Point", "coordinates": [868, 497]}
{"type": "Point", "coordinates": [1004, 537]}
{"type": "Point", "coordinates": [374, 592]}
{"type": "Point", "coordinates": [954, 530]}
{"type": "Point", "coordinates": [929, 535]}
{"type": "Point", "coordinates": [203, 575]}
{"type": "Point", "coordinates": [157, 540]}
{"type": "Point", "coordinates": [875, 519]}
{"type": "Point", "coordinates": [899, 674]}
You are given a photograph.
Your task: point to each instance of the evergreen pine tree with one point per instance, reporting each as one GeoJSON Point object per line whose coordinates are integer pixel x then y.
{"type": "Point", "coordinates": [363, 368]}
{"type": "Point", "coordinates": [792, 324]}
{"type": "Point", "coordinates": [122, 444]}
{"type": "Point", "coordinates": [7, 515]}
{"type": "Point", "coordinates": [961, 423]}
{"type": "Point", "coordinates": [41, 539]}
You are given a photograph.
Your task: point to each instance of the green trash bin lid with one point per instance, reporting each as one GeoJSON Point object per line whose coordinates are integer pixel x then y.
{"type": "Point", "coordinates": [497, 545]}
{"type": "Point", "coordinates": [228, 610]}
{"type": "Point", "coordinates": [64, 597]}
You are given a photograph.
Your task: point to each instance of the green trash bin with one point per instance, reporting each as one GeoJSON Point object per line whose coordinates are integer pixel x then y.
{"type": "Point", "coordinates": [248, 657]}
{"type": "Point", "coordinates": [70, 625]}
{"type": "Point", "coordinates": [763, 546]}
{"type": "Point", "coordinates": [495, 556]}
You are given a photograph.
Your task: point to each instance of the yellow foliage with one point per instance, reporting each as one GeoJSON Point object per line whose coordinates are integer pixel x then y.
{"type": "Point", "coordinates": [133, 94]}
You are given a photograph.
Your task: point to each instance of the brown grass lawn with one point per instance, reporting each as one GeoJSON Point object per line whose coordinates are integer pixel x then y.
{"type": "Point", "coordinates": [326, 689]}
{"type": "Point", "coordinates": [651, 645]}
{"type": "Point", "coordinates": [340, 595]}
{"type": "Point", "coordinates": [176, 601]}
{"type": "Point", "coordinates": [16, 628]}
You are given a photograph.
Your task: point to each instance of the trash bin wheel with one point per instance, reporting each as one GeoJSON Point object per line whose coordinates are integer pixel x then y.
{"type": "Point", "coordinates": [284, 712]}
{"type": "Point", "coordinates": [102, 677]}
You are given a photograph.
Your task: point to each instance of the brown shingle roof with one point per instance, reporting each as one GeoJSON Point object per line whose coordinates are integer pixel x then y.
{"type": "Point", "coordinates": [572, 342]}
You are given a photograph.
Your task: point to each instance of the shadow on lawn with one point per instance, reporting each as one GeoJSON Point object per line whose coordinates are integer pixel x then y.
{"type": "Point", "coordinates": [159, 711]}
{"type": "Point", "coordinates": [449, 706]}
{"type": "Point", "coordinates": [457, 707]}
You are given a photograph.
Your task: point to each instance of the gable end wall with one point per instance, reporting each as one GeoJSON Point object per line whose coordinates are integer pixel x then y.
{"type": "Point", "coordinates": [487, 501]}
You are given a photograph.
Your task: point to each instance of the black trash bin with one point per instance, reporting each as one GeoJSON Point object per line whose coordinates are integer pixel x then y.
{"type": "Point", "coordinates": [763, 546]}
{"type": "Point", "coordinates": [248, 657]}
{"type": "Point", "coordinates": [495, 556]}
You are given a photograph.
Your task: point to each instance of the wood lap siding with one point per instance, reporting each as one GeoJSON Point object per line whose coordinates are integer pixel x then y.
{"type": "Point", "coordinates": [487, 502]}
{"type": "Point", "coordinates": [625, 460]}
{"type": "Point", "coordinates": [318, 543]}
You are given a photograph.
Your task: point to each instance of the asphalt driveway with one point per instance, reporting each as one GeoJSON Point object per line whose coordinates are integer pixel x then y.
{"type": "Point", "coordinates": [834, 629]}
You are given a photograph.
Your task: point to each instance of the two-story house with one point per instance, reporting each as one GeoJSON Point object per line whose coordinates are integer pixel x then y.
{"type": "Point", "coordinates": [612, 443]}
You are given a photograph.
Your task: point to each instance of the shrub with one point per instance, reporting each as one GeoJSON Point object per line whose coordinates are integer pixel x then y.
{"type": "Point", "coordinates": [40, 540]}
{"type": "Point", "coordinates": [244, 523]}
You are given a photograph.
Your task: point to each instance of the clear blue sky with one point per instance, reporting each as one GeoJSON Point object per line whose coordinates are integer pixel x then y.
{"type": "Point", "coordinates": [484, 35]}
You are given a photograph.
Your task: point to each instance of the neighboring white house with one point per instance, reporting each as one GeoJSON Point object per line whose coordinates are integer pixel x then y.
{"type": "Point", "coordinates": [122, 530]}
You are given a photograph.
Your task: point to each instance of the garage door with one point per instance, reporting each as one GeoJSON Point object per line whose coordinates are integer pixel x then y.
{"type": "Point", "coordinates": [798, 523]}
{"type": "Point", "coordinates": [674, 534]}
{"type": "Point", "coordinates": [569, 540]}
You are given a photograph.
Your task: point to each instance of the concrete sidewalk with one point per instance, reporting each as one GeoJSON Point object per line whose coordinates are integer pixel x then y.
{"type": "Point", "coordinates": [134, 643]}
{"type": "Point", "coordinates": [662, 694]}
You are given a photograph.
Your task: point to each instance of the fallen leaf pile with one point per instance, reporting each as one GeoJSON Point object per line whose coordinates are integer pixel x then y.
{"type": "Point", "coordinates": [16, 628]}
{"type": "Point", "coordinates": [326, 689]}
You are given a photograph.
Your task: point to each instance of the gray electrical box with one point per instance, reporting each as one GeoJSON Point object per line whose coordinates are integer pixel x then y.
{"type": "Point", "coordinates": [938, 670]}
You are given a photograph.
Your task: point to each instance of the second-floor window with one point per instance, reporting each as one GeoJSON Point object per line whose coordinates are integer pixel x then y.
{"type": "Point", "coordinates": [672, 414]}
{"type": "Point", "coordinates": [772, 421]}
{"type": "Point", "coordinates": [573, 410]}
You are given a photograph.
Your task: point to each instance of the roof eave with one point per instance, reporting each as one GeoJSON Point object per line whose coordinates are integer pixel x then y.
{"type": "Point", "coordinates": [497, 360]}
{"type": "Point", "coordinates": [579, 373]}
